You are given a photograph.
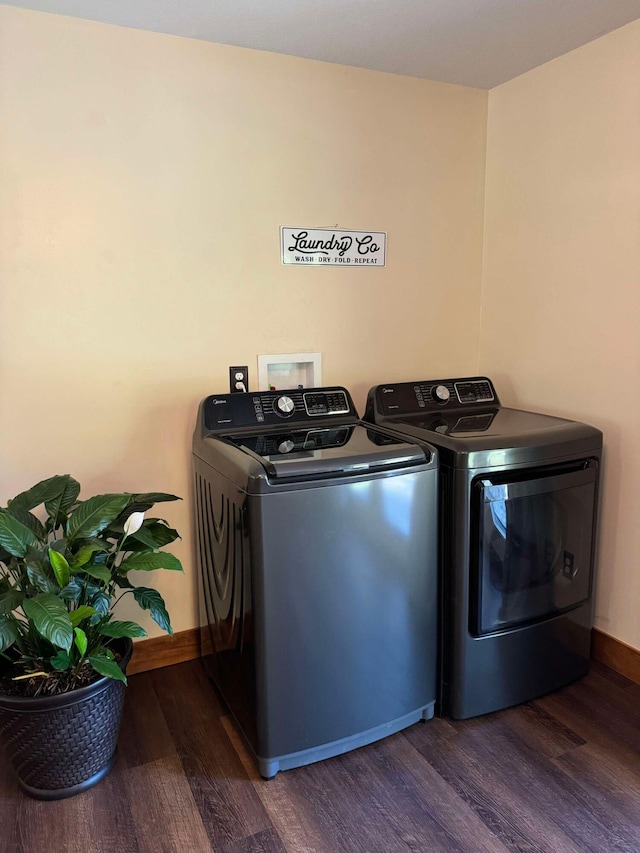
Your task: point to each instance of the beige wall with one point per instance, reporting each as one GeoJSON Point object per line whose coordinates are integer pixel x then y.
{"type": "Point", "coordinates": [560, 325]}
{"type": "Point", "coordinates": [143, 182]}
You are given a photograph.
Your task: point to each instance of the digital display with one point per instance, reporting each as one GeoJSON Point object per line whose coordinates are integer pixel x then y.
{"type": "Point", "coordinates": [316, 404]}
{"type": "Point", "coordinates": [326, 403]}
{"type": "Point", "coordinates": [474, 392]}
{"type": "Point", "coordinates": [466, 392]}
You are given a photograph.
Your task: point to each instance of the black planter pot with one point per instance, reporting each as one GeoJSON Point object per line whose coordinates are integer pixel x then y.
{"type": "Point", "coordinates": [61, 745]}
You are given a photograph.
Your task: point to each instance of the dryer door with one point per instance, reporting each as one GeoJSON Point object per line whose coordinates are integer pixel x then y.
{"type": "Point", "coordinates": [534, 545]}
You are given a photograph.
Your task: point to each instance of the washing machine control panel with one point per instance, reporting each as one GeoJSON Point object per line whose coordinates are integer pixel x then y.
{"type": "Point", "coordinates": [434, 395]}
{"type": "Point", "coordinates": [269, 408]}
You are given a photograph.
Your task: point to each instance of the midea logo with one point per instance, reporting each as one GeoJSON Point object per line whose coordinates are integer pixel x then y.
{"type": "Point", "coordinates": [218, 402]}
{"type": "Point", "coordinates": [387, 390]}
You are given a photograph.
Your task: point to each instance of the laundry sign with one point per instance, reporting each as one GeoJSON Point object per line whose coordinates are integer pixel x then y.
{"type": "Point", "coordinates": [331, 247]}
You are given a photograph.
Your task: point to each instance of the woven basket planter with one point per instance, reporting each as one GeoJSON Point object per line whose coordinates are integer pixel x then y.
{"type": "Point", "coordinates": [61, 745]}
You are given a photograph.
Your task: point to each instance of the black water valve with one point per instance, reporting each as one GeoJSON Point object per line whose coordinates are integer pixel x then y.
{"type": "Point", "coordinates": [239, 380]}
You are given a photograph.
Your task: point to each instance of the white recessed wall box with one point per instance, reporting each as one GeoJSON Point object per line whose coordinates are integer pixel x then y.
{"type": "Point", "coordinates": [290, 370]}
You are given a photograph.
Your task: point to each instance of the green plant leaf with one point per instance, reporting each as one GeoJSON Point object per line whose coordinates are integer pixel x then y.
{"type": "Point", "coordinates": [41, 581]}
{"type": "Point", "coordinates": [37, 573]}
{"type": "Point", "coordinates": [83, 612]}
{"type": "Point", "coordinates": [85, 553]}
{"type": "Point", "coordinates": [140, 503]}
{"type": "Point", "coordinates": [80, 641]}
{"type": "Point", "coordinates": [72, 591]}
{"type": "Point", "coordinates": [16, 537]}
{"type": "Point", "coordinates": [61, 661]}
{"type": "Point", "coordinates": [60, 567]}
{"type": "Point", "coordinates": [148, 562]}
{"type": "Point", "coordinates": [91, 588]}
{"type": "Point", "coordinates": [45, 490]}
{"type": "Point", "coordinates": [151, 600]}
{"type": "Point", "coordinates": [101, 573]}
{"type": "Point", "coordinates": [59, 545]}
{"type": "Point", "coordinates": [153, 534]}
{"type": "Point", "coordinates": [50, 618]}
{"type": "Point", "coordinates": [29, 520]}
{"type": "Point", "coordinates": [93, 515]}
{"type": "Point", "coordinates": [143, 501]}
{"type": "Point", "coordinates": [8, 632]}
{"type": "Point", "coordinates": [140, 540]}
{"type": "Point", "coordinates": [59, 505]}
{"type": "Point", "coordinates": [105, 651]}
{"type": "Point", "coordinates": [122, 629]}
{"type": "Point", "coordinates": [10, 600]}
{"type": "Point", "coordinates": [101, 602]}
{"type": "Point", "coordinates": [104, 666]}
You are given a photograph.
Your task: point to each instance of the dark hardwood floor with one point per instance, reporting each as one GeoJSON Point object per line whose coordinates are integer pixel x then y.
{"type": "Point", "coordinates": [559, 774]}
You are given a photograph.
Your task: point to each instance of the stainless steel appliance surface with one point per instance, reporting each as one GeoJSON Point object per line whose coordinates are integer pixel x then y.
{"type": "Point", "coordinates": [317, 553]}
{"type": "Point", "coordinates": [518, 502]}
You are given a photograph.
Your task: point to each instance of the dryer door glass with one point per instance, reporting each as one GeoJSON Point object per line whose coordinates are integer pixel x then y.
{"type": "Point", "coordinates": [534, 546]}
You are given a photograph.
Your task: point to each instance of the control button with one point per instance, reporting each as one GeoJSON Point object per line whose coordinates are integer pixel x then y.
{"type": "Point", "coordinates": [286, 445]}
{"type": "Point", "coordinates": [284, 406]}
{"type": "Point", "coordinates": [441, 393]}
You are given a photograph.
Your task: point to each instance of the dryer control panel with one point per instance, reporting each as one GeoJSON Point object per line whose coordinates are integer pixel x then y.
{"type": "Point", "coordinates": [274, 408]}
{"type": "Point", "coordinates": [404, 398]}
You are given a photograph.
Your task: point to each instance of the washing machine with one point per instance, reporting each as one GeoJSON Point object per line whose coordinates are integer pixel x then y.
{"type": "Point", "coordinates": [518, 501]}
{"type": "Point", "coordinates": [317, 564]}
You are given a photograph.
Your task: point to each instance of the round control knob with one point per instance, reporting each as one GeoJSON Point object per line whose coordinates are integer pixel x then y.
{"type": "Point", "coordinates": [286, 444]}
{"type": "Point", "coordinates": [284, 406]}
{"type": "Point", "coordinates": [441, 394]}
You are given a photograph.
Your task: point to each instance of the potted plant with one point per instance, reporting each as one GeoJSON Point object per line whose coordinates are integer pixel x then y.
{"type": "Point", "coordinates": [63, 655]}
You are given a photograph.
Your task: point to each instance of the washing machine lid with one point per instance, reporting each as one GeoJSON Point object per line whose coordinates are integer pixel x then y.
{"type": "Point", "coordinates": [493, 426]}
{"type": "Point", "coordinates": [327, 451]}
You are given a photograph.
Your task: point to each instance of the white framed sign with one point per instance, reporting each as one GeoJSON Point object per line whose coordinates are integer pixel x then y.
{"type": "Point", "coordinates": [331, 247]}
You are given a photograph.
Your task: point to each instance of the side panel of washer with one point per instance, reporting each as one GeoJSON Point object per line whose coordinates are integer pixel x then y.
{"type": "Point", "coordinates": [225, 590]}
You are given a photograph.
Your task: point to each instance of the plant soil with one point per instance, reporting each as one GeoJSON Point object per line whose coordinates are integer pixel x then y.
{"type": "Point", "coordinates": [53, 684]}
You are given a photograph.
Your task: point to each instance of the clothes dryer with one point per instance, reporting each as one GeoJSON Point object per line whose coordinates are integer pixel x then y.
{"type": "Point", "coordinates": [317, 552]}
{"type": "Point", "coordinates": [518, 498]}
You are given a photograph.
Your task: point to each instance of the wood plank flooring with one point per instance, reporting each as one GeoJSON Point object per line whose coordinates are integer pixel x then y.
{"type": "Point", "coordinates": [561, 774]}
